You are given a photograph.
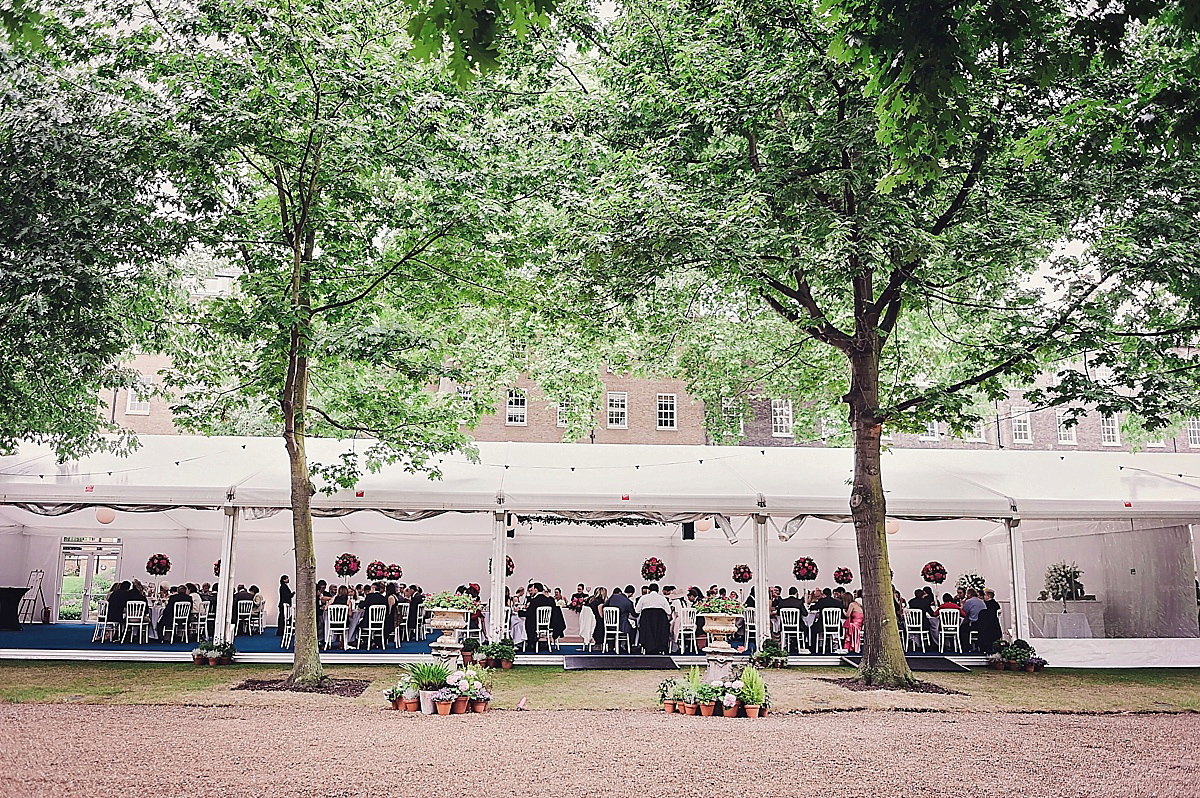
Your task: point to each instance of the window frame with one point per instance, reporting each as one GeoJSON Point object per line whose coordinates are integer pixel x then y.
{"type": "Point", "coordinates": [511, 408]}
{"type": "Point", "coordinates": [559, 419]}
{"type": "Point", "coordinates": [1071, 433]}
{"type": "Point", "coordinates": [1193, 433]}
{"type": "Point", "coordinates": [673, 411]}
{"type": "Point", "coordinates": [780, 408]}
{"type": "Point", "coordinates": [936, 434]}
{"type": "Point", "coordinates": [1023, 415]}
{"type": "Point", "coordinates": [623, 410]}
{"type": "Point", "coordinates": [1107, 421]}
{"type": "Point", "coordinates": [135, 405]}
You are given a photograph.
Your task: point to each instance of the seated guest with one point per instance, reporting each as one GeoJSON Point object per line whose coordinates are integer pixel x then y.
{"type": "Point", "coordinates": [948, 603]}
{"type": "Point", "coordinates": [540, 598]}
{"type": "Point", "coordinates": [260, 604]}
{"type": "Point", "coordinates": [818, 626]}
{"type": "Point", "coordinates": [373, 598]}
{"type": "Point", "coordinates": [972, 608]}
{"type": "Point", "coordinates": [654, 625]}
{"type": "Point", "coordinates": [623, 603]}
{"type": "Point", "coordinates": [989, 622]}
{"type": "Point", "coordinates": [853, 623]}
{"type": "Point", "coordinates": [242, 594]}
{"type": "Point", "coordinates": [167, 620]}
{"type": "Point", "coordinates": [122, 595]}
{"type": "Point", "coordinates": [416, 606]}
{"type": "Point", "coordinates": [919, 601]}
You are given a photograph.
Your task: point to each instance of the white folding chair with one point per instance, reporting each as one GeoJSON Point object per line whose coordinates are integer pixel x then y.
{"type": "Point", "coordinates": [543, 629]}
{"type": "Point", "coordinates": [612, 630]}
{"type": "Point", "coordinates": [749, 625]}
{"type": "Point", "coordinates": [105, 629]}
{"type": "Point", "coordinates": [201, 621]}
{"type": "Point", "coordinates": [914, 630]}
{"type": "Point", "coordinates": [336, 617]}
{"type": "Point", "coordinates": [245, 613]}
{"type": "Point", "coordinates": [791, 628]}
{"type": "Point", "coordinates": [136, 621]}
{"type": "Point", "coordinates": [289, 625]}
{"type": "Point", "coordinates": [400, 623]}
{"type": "Point", "coordinates": [256, 618]}
{"type": "Point", "coordinates": [181, 617]}
{"type": "Point", "coordinates": [687, 630]}
{"type": "Point", "coordinates": [422, 621]}
{"type": "Point", "coordinates": [831, 630]}
{"type": "Point", "coordinates": [474, 628]}
{"type": "Point", "coordinates": [948, 630]}
{"type": "Point", "coordinates": [375, 621]}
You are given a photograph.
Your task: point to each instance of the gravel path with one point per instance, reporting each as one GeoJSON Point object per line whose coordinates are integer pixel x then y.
{"type": "Point", "coordinates": [163, 751]}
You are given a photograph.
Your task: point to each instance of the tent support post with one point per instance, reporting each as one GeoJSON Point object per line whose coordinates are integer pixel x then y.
{"type": "Point", "coordinates": [762, 593]}
{"type": "Point", "coordinates": [1016, 550]}
{"type": "Point", "coordinates": [496, 630]}
{"type": "Point", "coordinates": [223, 631]}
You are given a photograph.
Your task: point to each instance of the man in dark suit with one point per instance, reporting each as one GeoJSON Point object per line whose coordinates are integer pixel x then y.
{"type": "Point", "coordinates": [416, 606]}
{"type": "Point", "coordinates": [373, 599]}
{"type": "Point", "coordinates": [116, 603]}
{"type": "Point", "coordinates": [242, 594]}
{"type": "Point", "coordinates": [167, 620]}
{"type": "Point", "coordinates": [623, 603]}
{"type": "Point", "coordinates": [818, 627]}
{"type": "Point", "coordinates": [538, 598]}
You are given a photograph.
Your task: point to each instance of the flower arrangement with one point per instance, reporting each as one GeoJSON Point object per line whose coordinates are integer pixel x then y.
{"type": "Point", "coordinates": [427, 675]}
{"type": "Point", "coordinates": [742, 573]}
{"type": "Point", "coordinates": [717, 605]}
{"type": "Point", "coordinates": [508, 566]}
{"type": "Point", "coordinates": [577, 604]}
{"type": "Point", "coordinates": [217, 568]}
{"type": "Point", "coordinates": [158, 565]}
{"type": "Point", "coordinates": [843, 576]}
{"type": "Point", "coordinates": [805, 569]}
{"type": "Point", "coordinates": [445, 695]}
{"type": "Point", "coordinates": [933, 572]}
{"type": "Point", "coordinates": [376, 570]}
{"type": "Point", "coordinates": [346, 564]}
{"type": "Point", "coordinates": [471, 682]}
{"type": "Point", "coordinates": [1062, 581]}
{"type": "Point", "coordinates": [970, 581]}
{"type": "Point", "coordinates": [453, 601]}
{"type": "Point", "coordinates": [394, 572]}
{"type": "Point", "coordinates": [653, 569]}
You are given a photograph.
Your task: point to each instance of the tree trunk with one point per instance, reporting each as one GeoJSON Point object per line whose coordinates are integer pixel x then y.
{"type": "Point", "coordinates": [883, 659]}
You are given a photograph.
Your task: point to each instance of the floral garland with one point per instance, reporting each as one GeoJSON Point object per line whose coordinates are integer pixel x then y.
{"type": "Point", "coordinates": [509, 566]}
{"type": "Point", "coordinates": [376, 569]}
{"type": "Point", "coordinates": [969, 581]}
{"type": "Point", "coordinates": [742, 573]}
{"type": "Point", "coordinates": [394, 572]}
{"type": "Point", "coordinates": [718, 605]}
{"type": "Point", "coordinates": [217, 568]}
{"type": "Point", "coordinates": [158, 565]}
{"type": "Point", "coordinates": [843, 576]}
{"type": "Point", "coordinates": [934, 572]}
{"type": "Point", "coordinates": [654, 569]}
{"type": "Point", "coordinates": [805, 569]}
{"type": "Point", "coordinates": [346, 564]}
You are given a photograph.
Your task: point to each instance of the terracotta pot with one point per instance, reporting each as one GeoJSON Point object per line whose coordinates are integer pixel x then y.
{"type": "Point", "coordinates": [444, 707]}
{"type": "Point", "coordinates": [1038, 668]}
{"type": "Point", "coordinates": [214, 660]}
{"type": "Point", "coordinates": [485, 662]}
{"type": "Point", "coordinates": [1030, 668]}
{"type": "Point", "coordinates": [479, 706]}
{"type": "Point", "coordinates": [707, 709]}
{"type": "Point", "coordinates": [460, 704]}
{"type": "Point", "coordinates": [226, 660]}
{"type": "Point", "coordinates": [397, 702]}
{"type": "Point", "coordinates": [669, 706]}
{"type": "Point", "coordinates": [762, 712]}
{"type": "Point", "coordinates": [752, 711]}
{"type": "Point", "coordinates": [468, 657]}
{"type": "Point", "coordinates": [412, 704]}
{"type": "Point", "coordinates": [1014, 666]}
{"type": "Point", "coordinates": [690, 709]}
{"type": "Point", "coordinates": [998, 665]}
{"type": "Point", "coordinates": [506, 664]}
{"type": "Point", "coordinates": [199, 660]}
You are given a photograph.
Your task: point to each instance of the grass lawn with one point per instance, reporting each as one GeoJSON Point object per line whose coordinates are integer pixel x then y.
{"type": "Point", "coordinates": [1055, 690]}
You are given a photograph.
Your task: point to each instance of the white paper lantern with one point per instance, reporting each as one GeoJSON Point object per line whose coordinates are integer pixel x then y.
{"type": "Point", "coordinates": [105, 515]}
{"type": "Point", "coordinates": [704, 524]}
{"type": "Point", "coordinates": [892, 526]}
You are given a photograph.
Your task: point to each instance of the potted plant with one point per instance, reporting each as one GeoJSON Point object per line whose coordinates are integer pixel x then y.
{"type": "Point", "coordinates": [450, 612]}
{"type": "Point", "coordinates": [666, 694]}
{"type": "Point", "coordinates": [395, 694]}
{"type": "Point", "coordinates": [480, 698]}
{"type": "Point", "coordinates": [200, 655]}
{"type": "Point", "coordinates": [729, 705]}
{"type": "Point", "coordinates": [226, 652]}
{"type": "Point", "coordinates": [427, 677]}
{"type": "Point", "coordinates": [460, 682]}
{"type": "Point", "coordinates": [469, 647]}
{"type": "Point", "coordinates": [770, 656]}
{"type": "Point", "coordinates": [753, 693]}
{"type": "Point", "coordinates": [1035, 664]}
{"type": "Point", "coordinates": [504, 651]}
{"type": "Point", "coordinates": [720, 619]}
{"type": "Point", "coordinates": [443, 699]}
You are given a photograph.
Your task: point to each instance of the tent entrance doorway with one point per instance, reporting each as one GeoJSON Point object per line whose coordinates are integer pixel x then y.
{"type": "Point", "coordinates": [88, 567]}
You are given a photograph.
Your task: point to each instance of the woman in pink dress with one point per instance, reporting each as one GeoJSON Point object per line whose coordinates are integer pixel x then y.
{"type": "Point", "coordinates": [853, 624]}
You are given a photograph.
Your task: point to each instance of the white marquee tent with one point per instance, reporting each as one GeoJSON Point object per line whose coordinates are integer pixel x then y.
{"type": "Point", "coordinates": [1004, 514]}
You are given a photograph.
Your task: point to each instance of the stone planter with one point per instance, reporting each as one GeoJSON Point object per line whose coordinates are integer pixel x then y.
{"type": "Point", "coordinates": [446, 649]}
{"type": "Point", "coordinates": [717, 628]}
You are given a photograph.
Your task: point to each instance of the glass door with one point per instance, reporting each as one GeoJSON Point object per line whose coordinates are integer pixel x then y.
{"type": "Point", "coordinates": [88, 570]}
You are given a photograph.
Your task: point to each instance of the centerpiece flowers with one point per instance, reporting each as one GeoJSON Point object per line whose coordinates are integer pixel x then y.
{"type": "Point", "coordinates": [217, 568]}
{"type": "Point", "coordinates": [158, 565]}
{"type": "Point", "coordinates": [653, 569]}
{"type": "Point", "coordinates": [509, 567]}
{"type": "Point", "coordinates": [742, 573]}
{"type": "Point", "coordinates": [394, 572]}
{"type": "Point", "coordinates": [346, 565]}
{"type": "Point", "coordinates": [934, 572]}
{"type": "Point", "coordinates": [376, 570]}
{"type": "Point", "coordinates": [843, 576]}
{"type": "Point", "coordinates": [805, 569]}
{"type": "Point", "coordinates": [577, 603]}
{"type": "Point", "coordinates": [969, 581]}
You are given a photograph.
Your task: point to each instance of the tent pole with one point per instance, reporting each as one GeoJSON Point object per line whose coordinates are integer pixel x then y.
{"type": "Point", "coordinates": [223, 630]}
{"type": "Point", "coordinates": [496, 630]}
{"type": "Point", "coordinates": [762, 593]}
{"type": "Point", "coordinates": [1016, 550]}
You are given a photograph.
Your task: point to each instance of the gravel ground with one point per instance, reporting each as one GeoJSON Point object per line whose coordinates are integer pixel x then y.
{"type": "Point", "coordinates": [91, 750]}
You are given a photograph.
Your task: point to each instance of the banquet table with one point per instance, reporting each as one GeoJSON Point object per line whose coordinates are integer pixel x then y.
{"type": "Point", "coordinates": [10, 603]}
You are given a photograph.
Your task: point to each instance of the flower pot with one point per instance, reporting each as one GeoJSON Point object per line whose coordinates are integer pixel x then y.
{"type": "Point", "coordinates": [397, 702]}
{"type": "Point", "coordinates": [444, 707]}
{"type": "Point", "coordinates": [425, 700]}
{"type": "Point", "coordinates": [468, 657]}
{"type": "Point", "coordinates": [199, 659]}
{"type": "Point", "coordinates": [460, 704]}
{"type": "Point", "coordinates": [226, 660]}
{"type": "Point", "coordinates": [706, 709]}
{"type": "Point", "coordinates": [690, 709]}
{"type": "Point", "coordinates": [718, 627]}
{"type": "Point", "coordinates": [412, 705]}
{"type": "Point", "coordinates": [762, 712]}
{"type": "Point", "coordinates": [485, 662]}
{"type": "Point", "coordinates": [479, 706]}
{"type": "Point", "coordinates": [1038, 668]}
{"type": "Point", "coordinates": [214, 660]}
{"type": "Point", "coordinates": [752, 711]}
{"type": "Point", "coordinates": [1030, 668]}
{"type": "Point", "coordinates": [669, 706]}
{"type": "Point", "coordinates": [1014, 666]}
{"type": "Point", "coordinates": [506, 664]}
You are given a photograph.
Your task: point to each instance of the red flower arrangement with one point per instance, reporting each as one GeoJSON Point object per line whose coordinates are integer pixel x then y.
{"type": "Point", "coordinates": [394, 572]}
{"type": "Point", "coordinates": [577, 604]}
{"type": "Point", "coordinates": [654, 569]}
{"type": "Point", "coordinates": [158, 565]}
{"type": "Point", "coordinates": [805, 569]}
{"type": "Point", "coordinates": [346, 564]}
{"type": "Point", "coordinates": [934, 572]}
{"type": "Point", "coordinates": [376, 570]}
{"type": "Point", "coordinates": [742, 573]}
{"type": "Point", "coordinates": [843, 576]}
{"type": "Point", "coordinates": [509, 567]}
{"type": "Point", "coordinates": [217, 568]}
